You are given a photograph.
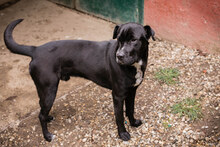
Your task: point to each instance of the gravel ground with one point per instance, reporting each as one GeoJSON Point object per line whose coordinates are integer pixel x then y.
{"type": "Point", "coordinates": [84, 117]}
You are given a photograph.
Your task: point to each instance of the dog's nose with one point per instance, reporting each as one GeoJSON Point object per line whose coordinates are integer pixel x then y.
{"type": "Point", "coordinates": [120, 55]}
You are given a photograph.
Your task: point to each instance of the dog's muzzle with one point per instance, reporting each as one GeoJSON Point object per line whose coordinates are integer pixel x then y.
{"type": "Point", "coordinates": [124, 58]}
{"type": "Point", "coordinates": [120, 57]}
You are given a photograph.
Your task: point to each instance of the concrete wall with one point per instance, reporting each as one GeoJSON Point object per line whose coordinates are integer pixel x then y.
{"type": "Point", "coordinates": [194, 23]}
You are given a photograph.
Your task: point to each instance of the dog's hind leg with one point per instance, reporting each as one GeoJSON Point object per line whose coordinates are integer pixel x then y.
{"type": "Point", "coordinates": [46, 105]}
{"type": "Point", "coordinates": [47, 96]}
{"type": "Point", "coordinates": [46, 85]}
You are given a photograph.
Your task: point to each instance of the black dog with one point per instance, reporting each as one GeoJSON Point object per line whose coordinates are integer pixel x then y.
{"type": "Point", "coordinates": [116, 65]}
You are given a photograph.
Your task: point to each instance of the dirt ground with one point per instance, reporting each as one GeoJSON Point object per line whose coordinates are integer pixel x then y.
{"type": "Point", "coordinates": [83, 111]}
{"type": "Point", "coordinates": [44, 21]}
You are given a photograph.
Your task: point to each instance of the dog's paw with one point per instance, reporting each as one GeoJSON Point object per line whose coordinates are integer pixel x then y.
{"type": "Point", "coordinates": [49, 137]}
{"type": "Point", "coordinates": [125, 136]}
{"type": "Point", "coordinates": [49, 118]}
{"type": "Point", "coordinates": [136, 123]}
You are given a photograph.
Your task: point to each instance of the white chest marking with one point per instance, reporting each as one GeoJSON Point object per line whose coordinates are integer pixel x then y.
{"type": "Point", "coordinates": [139, 74]}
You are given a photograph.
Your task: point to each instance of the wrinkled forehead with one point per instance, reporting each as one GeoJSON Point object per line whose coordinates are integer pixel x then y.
{"type": "Point", "coordinates": [130, 31]}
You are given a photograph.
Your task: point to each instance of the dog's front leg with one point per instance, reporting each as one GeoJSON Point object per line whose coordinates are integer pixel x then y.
{"type": "Point", "coordinates": [118, 109]}
{"type": "Point", "coordinates": [129, 103]}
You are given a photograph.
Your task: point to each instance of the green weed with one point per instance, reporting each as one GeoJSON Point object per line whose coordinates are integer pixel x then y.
{"type": "Point", "coordinates": [189, 107]}
{"type": "Point", "coordinates": [167, 75]}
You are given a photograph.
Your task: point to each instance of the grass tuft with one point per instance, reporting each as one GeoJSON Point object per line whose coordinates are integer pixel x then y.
{"type": "Point", "coordinates": [168, 75]}
{"type": "Point", "coordinates": [189, 107]}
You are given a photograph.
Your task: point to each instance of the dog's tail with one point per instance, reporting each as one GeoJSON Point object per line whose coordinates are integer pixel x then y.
{"type": "Point", "coordinates": [12, 45]}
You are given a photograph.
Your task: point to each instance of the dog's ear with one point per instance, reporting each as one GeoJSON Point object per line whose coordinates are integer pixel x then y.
{"type": "Point", "coordinates": [115, 33]}
{"type": "Point", "coordinates": [150, 32]}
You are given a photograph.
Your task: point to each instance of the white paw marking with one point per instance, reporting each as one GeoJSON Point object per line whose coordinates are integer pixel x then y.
{"type": "Point", "coordinates": [53, 136]}
{"type": "Point", "coordinates": [139, 74]}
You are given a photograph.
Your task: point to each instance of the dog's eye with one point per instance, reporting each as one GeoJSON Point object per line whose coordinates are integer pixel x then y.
{"type": "Point", "coordinates": [133, 40]}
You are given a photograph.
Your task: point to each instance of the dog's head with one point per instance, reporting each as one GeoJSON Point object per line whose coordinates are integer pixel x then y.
{"type": "Point", "coordinates": [132, 42]}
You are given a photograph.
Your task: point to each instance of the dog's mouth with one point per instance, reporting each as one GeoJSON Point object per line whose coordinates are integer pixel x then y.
{"type": "Point", "coordinates": [121, 62]}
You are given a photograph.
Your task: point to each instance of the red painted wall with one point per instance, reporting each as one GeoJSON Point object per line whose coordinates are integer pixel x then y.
{"type": "Point", "coordinates": [194, 23]}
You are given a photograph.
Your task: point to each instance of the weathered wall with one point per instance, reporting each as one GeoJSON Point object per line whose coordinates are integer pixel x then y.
{"type": "Point", "coordinates": [119, 11]}
{"type": "Point", "coordinates": [115, 10]}
{"type": "Point", "coordinates": [194, 23]}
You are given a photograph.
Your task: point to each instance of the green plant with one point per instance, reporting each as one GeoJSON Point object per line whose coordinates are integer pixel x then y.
{"type": "Point", "coordinates": [167, 75]}
{"type": "Point", "coordinates": [189, 107]}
